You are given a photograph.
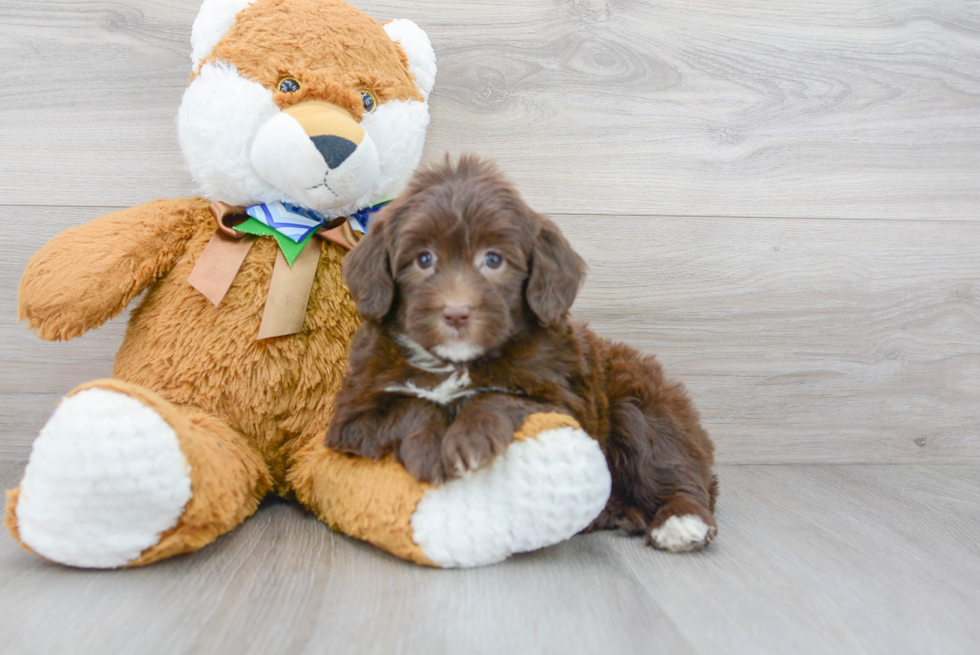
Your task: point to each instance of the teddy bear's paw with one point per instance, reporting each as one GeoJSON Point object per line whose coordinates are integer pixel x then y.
{"type": "Point", "coordinates": [105, 478]}
{"type": "Point", "coordinates": [540, 491]}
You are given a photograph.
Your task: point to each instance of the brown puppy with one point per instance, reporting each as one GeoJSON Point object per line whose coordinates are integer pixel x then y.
{"type": "Point", "coordinates": [464, 292]}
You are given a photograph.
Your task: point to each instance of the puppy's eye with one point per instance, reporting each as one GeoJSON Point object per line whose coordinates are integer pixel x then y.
{"type": "Point", "coordinates": [288, 85]}
{"type": "Point", "coordinates": [425, 260]}
{"type": "Point", "coordinates": [493, 260]}
{"type": "Point", "coordinates": [369, 102]}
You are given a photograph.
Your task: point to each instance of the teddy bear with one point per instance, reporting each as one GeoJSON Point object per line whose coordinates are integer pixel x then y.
{"type": "Point", "coordinates": [301, 119]}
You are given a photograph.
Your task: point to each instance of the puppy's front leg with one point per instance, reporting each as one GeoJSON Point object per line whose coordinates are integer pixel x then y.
{"type": "Point", "coordinates": [386, 425]}
{"type": "Point", "coordinates": [420, 450]}
{"type": "Point", "coordinates": [483, 429]}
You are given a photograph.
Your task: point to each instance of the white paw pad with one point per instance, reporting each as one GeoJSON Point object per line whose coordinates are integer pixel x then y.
{"type": "Point", "coordinates": [680, 534]}
{"type": "Point", "coordinates": [105, 478]}
{"type": "Point", "coordinates": [539, 492]}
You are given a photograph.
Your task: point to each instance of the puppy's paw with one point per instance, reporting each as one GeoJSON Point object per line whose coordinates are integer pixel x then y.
{"type": "Point", "coordinates": [473, 441]}
{"type": "Point", "coordinates": [681, 534]}
{"type": "Point", "coordinates": [357, 435]}
{"type": "Point", "coordinates": [421, 455]}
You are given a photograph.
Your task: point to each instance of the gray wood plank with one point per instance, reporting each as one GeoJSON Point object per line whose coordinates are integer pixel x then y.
{"type": "Point", "coordinates": [283, 582]}
{"type": "Point", "coordinates": [96, 86]}
{"type": "Point", "coordinates": [816, 341]}
{"type": "Point", "coordinates": [829, 559]}
{"type": "Point", "coordinates": [809, 559]}
{"type": "Point", "coordinates": [10, 472]}
{"type": "Point", "coordinates": [968, 474]}
{"type": "Point", "coordinates": [809, 108]}
{"type": "Point", "coordinates": [801, 341]}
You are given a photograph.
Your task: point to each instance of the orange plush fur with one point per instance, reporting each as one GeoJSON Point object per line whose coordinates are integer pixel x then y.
{"type": "Point", "coordinates": [239, 429]}
{"type": "Point", "coordinates": [267, 45]}
{"type": "Point", "coordinates": [250, 415]}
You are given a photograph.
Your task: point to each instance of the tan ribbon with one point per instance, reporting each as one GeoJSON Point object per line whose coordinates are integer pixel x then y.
{"type": "Point", "coordinates": [290, 287]}
{"type": "Point", "coordinates": [218, 265]}
{"type": "Point", "coordinates": [289, 293]}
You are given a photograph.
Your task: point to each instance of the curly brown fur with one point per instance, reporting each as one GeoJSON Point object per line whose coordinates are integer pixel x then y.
{"type": "Point", "coordinates": [465, 293]}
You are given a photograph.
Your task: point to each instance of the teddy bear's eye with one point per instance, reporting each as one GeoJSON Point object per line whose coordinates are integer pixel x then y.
{"type": "Point", "coordinates": [368, 100]}
{"type": "Point", "coordinates": [288, 85]}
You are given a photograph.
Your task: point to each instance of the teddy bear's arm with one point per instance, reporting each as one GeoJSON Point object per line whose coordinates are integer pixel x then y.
{"type": "Point", "coordinates": [88, 274]}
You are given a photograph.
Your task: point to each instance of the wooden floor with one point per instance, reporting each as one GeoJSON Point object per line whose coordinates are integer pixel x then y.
{"type": "Point", "coordinates": [809, 559]}
{"type": "Point", "coordinates": [781, 200]}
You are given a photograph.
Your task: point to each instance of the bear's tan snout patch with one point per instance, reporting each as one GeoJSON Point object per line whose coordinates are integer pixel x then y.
{"type": "Point", "coordinates": [333, 130]}
{"type": "Point", "coordinates": [319, 118]}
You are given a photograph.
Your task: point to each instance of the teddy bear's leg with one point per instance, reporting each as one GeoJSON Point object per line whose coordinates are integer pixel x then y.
{"type": "Point", "coordinates": [547, 486]}
{"type": "Point", "coordinates": [121, 477]}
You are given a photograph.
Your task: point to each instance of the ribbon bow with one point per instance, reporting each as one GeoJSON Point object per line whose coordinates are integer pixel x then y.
{"type": "Point", "coordinates": [292, 226]}
{"type": "Point", "coordinates": [292, 277]}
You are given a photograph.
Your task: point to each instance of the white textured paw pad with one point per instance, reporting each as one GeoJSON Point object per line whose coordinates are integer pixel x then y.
{"type": "Point", "coordinates": [680, 534]}
{"type": "Point", "coordinates": [105, 477]}
{"type": "Point", "coordinates": [539, 492]}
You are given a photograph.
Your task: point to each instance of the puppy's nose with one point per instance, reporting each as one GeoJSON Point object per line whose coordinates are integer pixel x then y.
{"type": "Point", "coordinates": [456, 316]}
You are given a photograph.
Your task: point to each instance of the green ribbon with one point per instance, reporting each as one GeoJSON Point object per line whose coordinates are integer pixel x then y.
{"type": "Point", "coordinates": [290, 249]}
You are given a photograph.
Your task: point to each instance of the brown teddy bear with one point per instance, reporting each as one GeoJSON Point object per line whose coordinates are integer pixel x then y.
{"type": "Point", "coordinates": [301, 118]}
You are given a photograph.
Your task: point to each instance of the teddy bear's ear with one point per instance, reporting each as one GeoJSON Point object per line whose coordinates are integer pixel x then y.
{"type": "Point", "coordinates": [213, 21]}
{"type": "Point", "coordinates": [421, 57]}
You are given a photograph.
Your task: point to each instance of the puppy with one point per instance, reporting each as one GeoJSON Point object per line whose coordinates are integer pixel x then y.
{"type": "Point", "coordinates": [464, 292]}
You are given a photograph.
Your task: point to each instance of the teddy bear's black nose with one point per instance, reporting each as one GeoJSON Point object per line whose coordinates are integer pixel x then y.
{"type": "Point", "coordinates": [335, 149]}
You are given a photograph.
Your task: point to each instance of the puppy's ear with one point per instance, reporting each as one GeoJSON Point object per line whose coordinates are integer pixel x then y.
{"type": "Point", "coordinates": [557, 272]}
{"type": "Point", "coordinates": [367, 271]}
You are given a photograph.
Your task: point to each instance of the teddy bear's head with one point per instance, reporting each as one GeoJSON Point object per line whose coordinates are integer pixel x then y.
{"type": "Point", "coordinates": [309, 102]}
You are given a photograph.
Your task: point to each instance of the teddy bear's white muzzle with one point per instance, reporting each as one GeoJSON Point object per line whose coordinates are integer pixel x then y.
{"type": "Point", "coordinates": [320, 159]}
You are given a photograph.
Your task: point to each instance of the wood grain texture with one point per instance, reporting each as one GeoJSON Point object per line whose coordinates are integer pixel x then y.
{"type": "Point", "coordinates": [806, 108]}
{"type": "Point", "coordinates": [962, 473]}
{"type": "Point", "coordinates": [801, 341]}
{"type": "Point", "coordinates": [823, 559]}
{"type": "Point", "coordinates": [829, 559]}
